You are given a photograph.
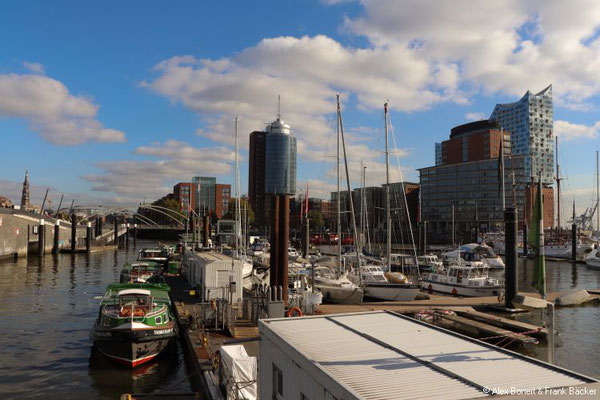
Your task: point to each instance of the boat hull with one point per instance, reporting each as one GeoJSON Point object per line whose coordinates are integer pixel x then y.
{"type": "Point", "coordinates": [593, 263]}
{"type": "Point", "coordinates": [341, 295]}
{"type": "Point", "coordinates": [132, 348]}
{"type": "Point", "coordinates": [458, 290]}
{"type": "Point", "coordinates": [391, 291]}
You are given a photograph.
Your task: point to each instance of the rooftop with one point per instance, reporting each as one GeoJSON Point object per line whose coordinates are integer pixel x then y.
{"type": "Point", "coordinates": [384, 355]}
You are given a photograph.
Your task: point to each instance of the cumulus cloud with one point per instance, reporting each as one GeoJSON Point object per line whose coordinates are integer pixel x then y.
{"type": "Point", "coordinates": [58, 116]}
{"type": "Point", "coordinates": [502, 46]}
{"type": "Point", "coordinates": [569, 131]}
{"type": "Point", "coordinates": [170, 162]}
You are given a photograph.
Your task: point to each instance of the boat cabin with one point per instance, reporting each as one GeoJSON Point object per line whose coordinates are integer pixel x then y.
{"type": "Point", "coordinates": [134, 302]}
{"type": "Point", "coordinates": [153, 254]}
{"type": "Point", "coordinates": [462, 275]}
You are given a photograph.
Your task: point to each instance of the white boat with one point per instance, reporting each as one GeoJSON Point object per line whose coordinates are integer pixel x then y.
{"type": "Point", "coordinates": [463, 280]}
{"type": "Point", "coordinates": [593, 262]}
{"type": "Point", "coordinates": [430, 262]}
{"type": "Point", "coordinates": [337, 290]}
{"type": "Point", "coordinates": [376, 285]}
{"type": "Point", "coordinates": [474, 252]}
{"type": "Point", "coordinates": [292, 254]}
{"type": "Point", "coordinates": [564, 250]}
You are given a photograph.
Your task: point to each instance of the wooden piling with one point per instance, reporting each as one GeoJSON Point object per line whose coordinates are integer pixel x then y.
{"type": "Point", "coordinates": [73, 233]}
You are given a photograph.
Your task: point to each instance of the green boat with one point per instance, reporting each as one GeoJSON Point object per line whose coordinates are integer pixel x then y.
{"type": "Point", "coordinates": [140, 272]}
{"type": "Point", "coordinates": [135, 323]}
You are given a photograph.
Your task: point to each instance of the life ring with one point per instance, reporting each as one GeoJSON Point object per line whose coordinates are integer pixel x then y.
{"type": "Point", "coordinates": [454, 291]}
{"type": "Point", "coordinates": [294, 312]}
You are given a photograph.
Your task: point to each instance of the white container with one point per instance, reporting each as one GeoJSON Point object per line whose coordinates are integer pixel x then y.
{"type": "Point", "coordinates": [218, 276]}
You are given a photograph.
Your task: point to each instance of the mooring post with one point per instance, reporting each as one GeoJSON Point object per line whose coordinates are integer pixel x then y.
{"type": "Point", "coordinates": [550, 328]}
{"type": "Point", "coordinates": [274, 259]}
{"type": "Point", "coordinates": [424, 237]}
{"type": "Point", "coordinates": [510, 229]}
{"type": "Point", "coordinates": [73, 233]}
{"type": "Point", "coordinates": [574, 243]}
{"type": "Point", "coordinates": [525, 244]}
{"type": "Point", "coordinates": [284, 231]}
{"type": "Point", "coordinates": [116, 231]}
{"type": "Point", "coordinates": [205, 231]}
{"type": "Point", "coordinates": [134, 234]}
{"type": "Point", "coordinates": [56, 243]}
{"type": "Point", "coordinates": [305, 238]}
{"type": "Point", "coordinates": [127, 235]}
{"type": "Point", "coordinates": [88, 238]}
{"type": "Point", "coordinates": [41, 238]}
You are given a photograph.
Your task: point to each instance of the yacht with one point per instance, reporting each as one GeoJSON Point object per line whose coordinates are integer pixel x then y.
{"type": "Point", "coordinates": [460, 279]}
{"type": "Point", "coordinates": [593, 262]}
{"type": "Point", "coordinates": [474, 253]}
{"type": "Point", "coordinates": [430, 262]}
{"type": "Point", "coordinates": [292, 254]}
{"type": "Point", "coordinates": [336, 289]}
{"type": "Point", "coordinates": [377, 286]}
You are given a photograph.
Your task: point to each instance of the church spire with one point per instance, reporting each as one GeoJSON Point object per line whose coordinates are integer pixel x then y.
{"type": "Point", "coordinates": [25, 194]}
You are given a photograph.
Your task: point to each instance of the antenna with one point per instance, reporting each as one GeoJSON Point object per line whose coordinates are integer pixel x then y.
{"type": "Point", "coordinates": [278, 106]}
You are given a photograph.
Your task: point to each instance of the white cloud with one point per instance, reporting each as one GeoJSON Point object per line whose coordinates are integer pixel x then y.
{"type": "Point", "coordinates": [475, 116]}
{"type": "Point", "coordinates": [502, 46]}
{"type": "Point", "coordinates": [568, 131]}
{"type": "Point", "coordinates": [49, 108]}
{"type": "Point", "coordinates": [172, 162]}
{"type": "Point", "coordinates": [34, 67]}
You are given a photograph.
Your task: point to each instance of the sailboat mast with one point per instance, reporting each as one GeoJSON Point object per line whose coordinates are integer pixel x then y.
{"type": "Point", "coordinates": [349, 190]}
{"type": "Point", "coordinates": [388, 217]}
{"type": "Point", "coordinates": [363, 202]}
{"type": "Point", "coordinates": [237, 192]}
{"type": "Point", "coordinates": [597, 195]}
{"type": "Point", "coordinates": [339, 221]}
{"type": "Point", "coordinates": [557, 187]}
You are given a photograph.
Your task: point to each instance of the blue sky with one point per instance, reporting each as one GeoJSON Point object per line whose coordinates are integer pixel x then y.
{"type": "Point", "coordinates": [118, 101]}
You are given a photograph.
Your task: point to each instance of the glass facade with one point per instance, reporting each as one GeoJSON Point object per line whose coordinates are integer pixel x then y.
{"type": "Point", "coordinates": [472, 188]}
{"type": "Point", "coordinates": [530, 122]}
{"type": "Point", "coordinates": [205, 198]}
{"type": "Point", "coordinates": [280, 159]}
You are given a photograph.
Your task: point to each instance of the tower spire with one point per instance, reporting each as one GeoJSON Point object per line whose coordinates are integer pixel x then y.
{"type": "Point", "coordinates": [25, 193]}
{"type": "Point", "coordinates": [279, 106]}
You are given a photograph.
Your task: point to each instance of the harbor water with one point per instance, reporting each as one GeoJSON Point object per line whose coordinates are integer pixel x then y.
{"type": "Point", "coordinates": [578, 342]}
{"type": "Point", "coordinates": [47, 307]}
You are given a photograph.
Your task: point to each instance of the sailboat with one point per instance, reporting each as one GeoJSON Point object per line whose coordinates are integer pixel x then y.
{"type": "Point", "coordinates": [337, 288]}
{"type": "Point", "coordinates": [240, 249]}
{"type": "Point", "coordinates": [372, 277]}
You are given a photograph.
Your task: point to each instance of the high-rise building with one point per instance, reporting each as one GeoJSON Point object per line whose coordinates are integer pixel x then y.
{"type": "Point", "coordinates": [25, 193]}
{"type": "Point", "coordinates": [205, 199]}
{"type": "Point", "coordinates": [256, 178]}
{"type": "Point", "coordinates": [272, 167]}
{"type": "Point", "coordinates": [185, 194]}
{"type": "Point", "coordinates": [530, 123]}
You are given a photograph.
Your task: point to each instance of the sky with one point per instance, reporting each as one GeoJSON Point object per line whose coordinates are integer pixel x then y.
{"type": "Point", "coordinates": [115, 102]}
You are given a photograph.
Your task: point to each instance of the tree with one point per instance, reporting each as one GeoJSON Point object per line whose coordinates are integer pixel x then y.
{"type": "Point", "coordinates": [244, 205]}
{"type": "Point", "coordinates": [316, 219]}
{"type": "Point", "coordinates": [159, 216]}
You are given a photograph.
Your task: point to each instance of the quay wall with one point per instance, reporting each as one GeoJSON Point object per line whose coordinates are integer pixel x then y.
{"type": "Point", "coordinates": [19, 233]}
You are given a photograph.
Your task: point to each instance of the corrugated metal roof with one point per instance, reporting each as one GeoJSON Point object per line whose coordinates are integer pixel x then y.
{"type": "Point", "coordinates": [383, 355]}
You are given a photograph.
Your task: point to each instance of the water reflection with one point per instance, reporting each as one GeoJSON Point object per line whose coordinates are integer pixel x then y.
{"type": "Point", "coordinates": [47, 309]}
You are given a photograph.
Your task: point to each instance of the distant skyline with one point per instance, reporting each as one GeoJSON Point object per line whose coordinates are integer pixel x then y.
{"type": "Point", "coordinates": [113, 102]}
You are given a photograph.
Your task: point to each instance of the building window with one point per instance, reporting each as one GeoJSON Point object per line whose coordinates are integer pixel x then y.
{"type": "Point", "coordinates": [277, 383]}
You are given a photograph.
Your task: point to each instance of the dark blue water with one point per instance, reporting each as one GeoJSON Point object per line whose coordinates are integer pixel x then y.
{"type": "Point", "coordinates": [47, 308]}
{"type": "Point", "coordinates": [578, 343]}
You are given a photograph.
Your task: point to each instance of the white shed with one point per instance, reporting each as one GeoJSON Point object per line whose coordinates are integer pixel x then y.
{"type": "Point", "coordinates": [216, 274]}
{"type": "Point", "coordinates": [383, 355]}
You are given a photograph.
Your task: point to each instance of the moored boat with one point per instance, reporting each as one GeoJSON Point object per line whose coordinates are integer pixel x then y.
{"type": "Point", "coordinates": [463, 280]}
{"type": "Point", "coordinates": [377, 286]}
{"type": "Point", "coordinates": [135, 323]}
{"type": "Point", "coordinates": [139, 272]}
{"type": "Point", "coordinates": [154, 254]}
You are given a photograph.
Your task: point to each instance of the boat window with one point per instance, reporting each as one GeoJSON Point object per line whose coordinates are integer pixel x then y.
{"type": "Point", "coordinates": [158, 320]}
{"type": "Point", "coordinates": [105, 321]}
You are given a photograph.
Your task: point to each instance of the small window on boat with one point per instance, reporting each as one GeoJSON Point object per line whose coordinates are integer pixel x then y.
{"type": "Point", "coordinates": [158, 320]}
{"type": "Point", "coordinates": [105, 321]}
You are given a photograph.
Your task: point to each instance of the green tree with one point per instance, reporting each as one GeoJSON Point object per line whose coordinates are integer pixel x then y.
{"type": "Point", "coordinates": [316, 219]}
{"type": "Point", "coordinates": [244, 205]}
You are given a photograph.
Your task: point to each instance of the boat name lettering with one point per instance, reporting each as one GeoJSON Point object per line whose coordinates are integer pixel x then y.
{"type": "Point", "coordinates": [163, 331]}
